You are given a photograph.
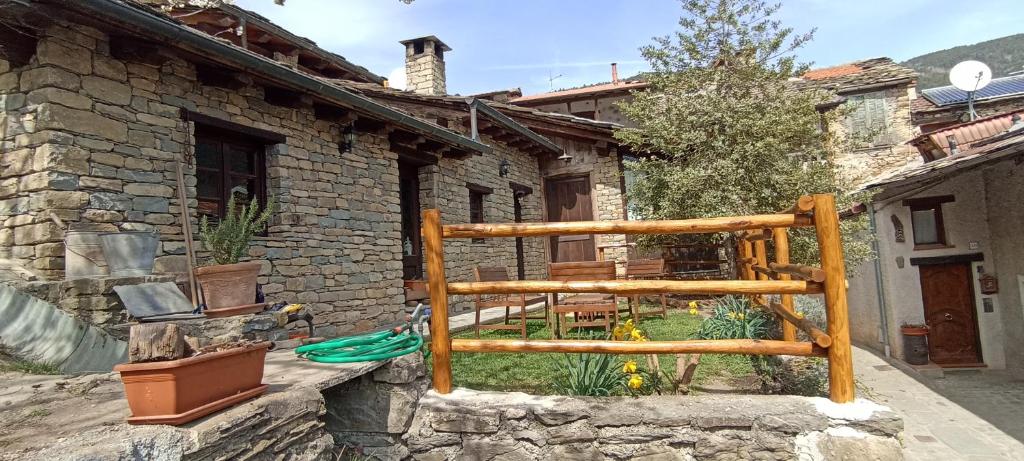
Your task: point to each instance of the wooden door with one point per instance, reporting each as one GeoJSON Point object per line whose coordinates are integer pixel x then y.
{"type": "Point", "coordinates": [948, 298]}
{"type": "Point", "coordinates": [409, 198]}
{"type": "Point", "coordinates": [569, 200]}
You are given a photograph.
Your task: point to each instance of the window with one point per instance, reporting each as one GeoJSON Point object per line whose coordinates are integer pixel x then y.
{"type": "Point", "coordinates": [867, 124]}
{"type": "Point", "coordinates": [228, 164]}
{"type": "Point", "coordinates": [926, 220]}
{"type": "Point", "coordinates": [476, 205]}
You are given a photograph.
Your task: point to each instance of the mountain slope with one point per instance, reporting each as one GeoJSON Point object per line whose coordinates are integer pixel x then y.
{"type": "Point", "coordinates": [1003, 55]}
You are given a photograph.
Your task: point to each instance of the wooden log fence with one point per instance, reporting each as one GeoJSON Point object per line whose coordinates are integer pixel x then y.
{"type": "Point", "coordinates": [770, 278]}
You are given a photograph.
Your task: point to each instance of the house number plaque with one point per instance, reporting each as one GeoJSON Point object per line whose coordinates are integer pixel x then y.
{"type": "Point", "coordinates": [989, 284]}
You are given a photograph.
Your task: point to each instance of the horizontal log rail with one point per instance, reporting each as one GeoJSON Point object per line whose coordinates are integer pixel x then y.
{"type": "Point", "coordinates": [765, 271]}
{"type": "Point", "coordinates": [803, 205]}
{"type": "Point", "coordinates": [811, 273]}
{"type": "Point", "coordinates": [717, 346]}
{"type": "Point", "coordinates": [755, 235]}
{"type": "Point", "coordinates": [819, 337]}
{"type": "Point", "coordinates": [684, 226]}
{"type": "Point", "coordinates": [638, 287]}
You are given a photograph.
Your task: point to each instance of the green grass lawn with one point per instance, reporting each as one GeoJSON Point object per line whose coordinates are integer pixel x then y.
{"type": "Point", "coordinates": [534, 373]}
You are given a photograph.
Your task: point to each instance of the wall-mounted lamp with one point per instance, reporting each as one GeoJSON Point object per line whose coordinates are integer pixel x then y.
{"type": "Point", "coordinates": [503, 167]}
{"type": "Point", "coordinates": [348, 138]}
{"type": "Point", "coordinates": [565, 157]}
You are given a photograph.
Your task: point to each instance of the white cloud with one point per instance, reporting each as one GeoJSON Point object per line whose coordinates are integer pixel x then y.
{"type": "Point", "coordinates": [396, 78]}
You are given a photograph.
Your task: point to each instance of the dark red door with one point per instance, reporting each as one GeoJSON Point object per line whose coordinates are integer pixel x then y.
{"type": "Point", "coordinates": [949, 310]}
{"type": "Point", "coordinates": [569, 200]}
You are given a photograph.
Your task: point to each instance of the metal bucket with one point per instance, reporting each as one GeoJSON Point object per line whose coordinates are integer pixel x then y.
{"type": "Point", "coordinates": [129, 253]}
{"type": "Point", "coordinates": [83, 255]}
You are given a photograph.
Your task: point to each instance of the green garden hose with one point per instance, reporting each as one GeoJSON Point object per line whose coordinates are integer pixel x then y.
{"type": "Point", "coordinates": [369, 347]}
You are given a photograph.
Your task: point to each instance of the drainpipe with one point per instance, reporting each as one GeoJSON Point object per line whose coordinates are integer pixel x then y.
{"type": "Point", "coordinates": [879, 289]}
{"type": "Point", "coordinates": [474, 131]}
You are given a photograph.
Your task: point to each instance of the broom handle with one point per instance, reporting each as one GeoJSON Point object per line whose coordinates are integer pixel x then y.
{"type": "Point", "coordinates": [186, 226]}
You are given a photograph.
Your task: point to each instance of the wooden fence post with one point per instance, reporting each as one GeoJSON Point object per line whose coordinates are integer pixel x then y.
{"type": "Point", "coordinates": [440, 343]}
{"type": "Point", "coordinates": [840, 355]}
{"type": "Point", "coordinates": [761, 252]}
{"type": "Point", "coordinates": [781, 239]}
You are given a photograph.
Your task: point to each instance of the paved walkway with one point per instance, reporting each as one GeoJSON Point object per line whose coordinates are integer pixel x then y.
{"type": "Point", "coordinates": [936, 427]}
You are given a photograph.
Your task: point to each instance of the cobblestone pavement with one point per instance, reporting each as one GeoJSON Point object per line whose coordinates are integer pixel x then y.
{"type": "Point", "coordinates": [937, 427]}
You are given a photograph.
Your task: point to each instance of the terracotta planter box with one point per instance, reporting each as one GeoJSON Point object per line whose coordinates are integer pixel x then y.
{"type": "Point", "coordinates": [228, 285]}
{"type": "Point", "coordinates": [178, 391]}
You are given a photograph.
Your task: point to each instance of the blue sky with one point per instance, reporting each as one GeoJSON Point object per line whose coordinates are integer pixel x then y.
{"type": "Point", "coordinates": [522, 43]}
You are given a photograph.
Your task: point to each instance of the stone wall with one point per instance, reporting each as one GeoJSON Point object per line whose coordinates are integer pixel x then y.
{"type": "Point", "coordinates": [424, 72]}
{"type": "Point", "coordinates": [513, 426]}
{"type": "Point", "coordinates": [93, 139]}
{"type": "Point", "coordinates": [860, 164]}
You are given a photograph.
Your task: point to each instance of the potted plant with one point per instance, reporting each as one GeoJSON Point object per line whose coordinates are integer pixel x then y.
{"type": "Point", "coordinates": [229, 283]}
{"type": "Point", "coordinates": [169, 382]}
{"type": "Point", "coordinates": [915, 343]}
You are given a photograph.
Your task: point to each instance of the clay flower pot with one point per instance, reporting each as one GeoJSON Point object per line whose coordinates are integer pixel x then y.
{"type": "Point", "coordinates": [914, 330]}
{"type": "Point", "coordinates": [178, 391]}
{"type": "Point", "coordinates": [228, 285]}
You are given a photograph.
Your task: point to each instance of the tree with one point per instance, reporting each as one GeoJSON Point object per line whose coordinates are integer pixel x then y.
{"type": "Point", "coordinates": [723, 131]}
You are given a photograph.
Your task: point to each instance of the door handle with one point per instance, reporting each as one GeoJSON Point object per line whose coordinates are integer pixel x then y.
{"type": "Point", "coordinates": [949, 316]}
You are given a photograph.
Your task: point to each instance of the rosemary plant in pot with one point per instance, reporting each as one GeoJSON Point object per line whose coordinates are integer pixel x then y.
{"type": "Point", "coordinates": [230, 283]}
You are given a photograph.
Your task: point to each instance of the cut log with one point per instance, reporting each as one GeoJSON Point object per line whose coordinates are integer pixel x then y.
{"type": "Point", "coordinates": [154, 342]}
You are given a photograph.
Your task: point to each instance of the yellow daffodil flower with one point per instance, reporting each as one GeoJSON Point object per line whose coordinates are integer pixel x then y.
{"type": "Point", "coordinates": [799, 315]}
{"type": "Point", "coordinates": [740, 316]}
{"type": "Point", "coordinates": [629, 367]}
{"type": "Point", "coordinates": [618, 333]}
{"type": "Point", "coordinates": [731, 315]}
{"type": "Point", "coordinates": [693, 304]}
{"type": "Point", "coordinates": [693, 311]}
{"type": "Point", "coordinates": [635, 381]}
{"type": "Point", "coordinates": [635, 335]}
{"type": "Point", "coordinates": [629, 326]}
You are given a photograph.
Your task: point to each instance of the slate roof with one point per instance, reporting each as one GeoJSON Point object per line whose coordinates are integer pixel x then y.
{"type": "Point", "coordinates": [858, 75]}
{"type": "Point", "coordinates": [590, 90]}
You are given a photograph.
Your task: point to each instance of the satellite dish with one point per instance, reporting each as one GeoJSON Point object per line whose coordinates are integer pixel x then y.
{"type": "Point", "coordinates": [970, 76]}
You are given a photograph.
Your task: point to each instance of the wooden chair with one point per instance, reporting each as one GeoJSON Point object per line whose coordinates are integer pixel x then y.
{"type": "Point", "coordinates": [588, 309]}
{"type": "Point", "coordinates": [640, 269]}
{"type": "Point", "coordinates": [508, 301]}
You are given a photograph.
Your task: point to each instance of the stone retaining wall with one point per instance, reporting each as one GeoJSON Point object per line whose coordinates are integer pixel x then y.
{"type": "Point", "coordinates": [515, 426]}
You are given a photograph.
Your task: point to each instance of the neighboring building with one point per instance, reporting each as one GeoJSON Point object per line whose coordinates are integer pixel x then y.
{"type": "Point", "coordinates": [877, 126]}
{"type": "Point", "coordinates": [598, 101]}
{"type": "Point", "coordinates": [956, 139]}
{"type": "Point", "coordinates": [945, 106]}
{"type": "Point", "coordinates": [102, 99]}
{"type": "Point", "coordinates": [878, 94]}
{"type": "Point", "coordinates": [949, 255]}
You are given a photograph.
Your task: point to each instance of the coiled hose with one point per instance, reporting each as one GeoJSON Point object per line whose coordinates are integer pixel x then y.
{"type": "Point", "coordinates": [369, 347]}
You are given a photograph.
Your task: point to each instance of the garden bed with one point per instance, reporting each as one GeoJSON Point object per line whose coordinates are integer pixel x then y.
{"type": "Point", "coordinates": [537, 373]}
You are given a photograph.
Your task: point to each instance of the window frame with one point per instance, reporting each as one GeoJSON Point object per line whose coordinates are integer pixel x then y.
{"type": "Point", "coordinates": [933, 204]}
{"type": "Point", "coordinates": [477, 199]}
{"type": "Point", "coordinates": [251, 145]}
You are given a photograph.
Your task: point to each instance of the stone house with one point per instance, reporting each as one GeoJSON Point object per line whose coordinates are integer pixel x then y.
{"type": "Point", "coordinates": [598, 101]}
{"type": "Point", "coordinates": [946, 106]}
{"type": "Point", "coordinates": [948, 255]}
{"type": "Point", "coordinates": [102, 99]}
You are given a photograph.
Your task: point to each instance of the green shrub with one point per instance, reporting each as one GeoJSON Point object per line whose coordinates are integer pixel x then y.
{"type": "Point", "coordinates": [733, 318]}
{"type": "Point", "coordinates": [230, 238]}
{"type": "Point", "coordinates": [595, 375]}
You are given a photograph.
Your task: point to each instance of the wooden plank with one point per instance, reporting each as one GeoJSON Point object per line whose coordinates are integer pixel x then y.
{"type": "Point", "coordinates": [685, 226]}
{"type": "Point", "coordinates": [781, 240]}
{"type": "Point", "coordinates": [819, 337]}
{"type": "Point", "coordinates": [153, 342]}
{"type": "Point", "coordinates": [840, 355]}
{"type": "Point", "coordinates": [811, 273]}
{"type": "Point", "coordinates": [440, 347]}
{"type": "Point", "coordinates": [637, 287]}
{"type": "Point", "coordinates": [721, 346]}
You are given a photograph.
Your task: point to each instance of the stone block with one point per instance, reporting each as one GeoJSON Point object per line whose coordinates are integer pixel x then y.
{"type": "Point", "coordinates": [62, 158]}
{"type": "Point", "coordinates": [38, 233]}
{"type": "Point", "coordinates": [92, 182]}
{"type": "Point", "coordinates": [110, 201]}
{"type": "Point", "coordinates": [102, 216]}
{"type": "Point", "coordinates": [151, 204]}
{"type": "Point", "coordinates": [108, 90]}
{"type": "Point", "coordinates": [50, 199]}
{"type": "Point", "coordinates": [56, 117]}
{"type": "Point", "coordinates": [108, 67]}
{"type": "Point", "coordinates": [401, 370]}
{"type": "Point", "coordinates": [148, 190]}
{"type": "Point", "coordinates": [47, 180]}
{"type": "Point", "coordinates": [59, 96]}
{"type": "Point", "coordinates": [40, 77]}
{"type": "Point", "coordinates": [62, 54]}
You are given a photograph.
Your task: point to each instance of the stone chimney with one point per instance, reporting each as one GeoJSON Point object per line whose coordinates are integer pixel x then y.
{"type": "Point", "coordinates": [424, 65]}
